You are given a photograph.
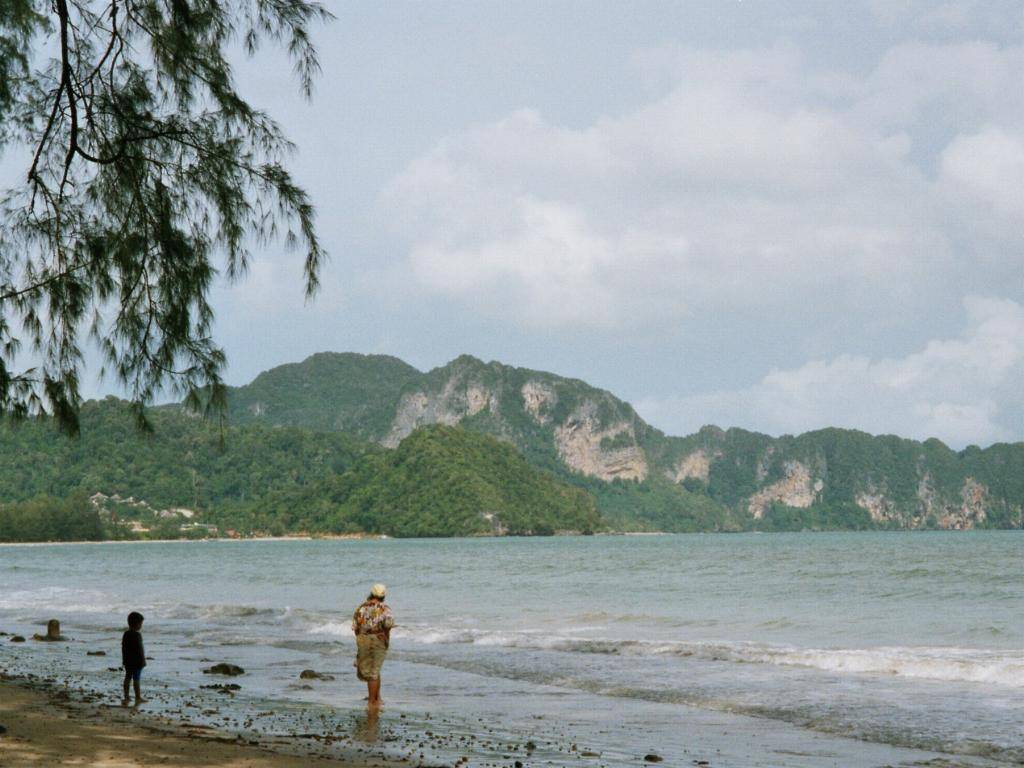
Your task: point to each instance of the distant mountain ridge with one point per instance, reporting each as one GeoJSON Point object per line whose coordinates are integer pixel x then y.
{"type": "Point", "coordinates": [712, 480]}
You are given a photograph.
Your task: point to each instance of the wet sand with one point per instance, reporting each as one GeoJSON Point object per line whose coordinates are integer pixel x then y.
{"type": "Point", "coordinates": [46, 728]}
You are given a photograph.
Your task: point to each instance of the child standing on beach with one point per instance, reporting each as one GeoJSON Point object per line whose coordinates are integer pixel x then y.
{"type": "Point", "coordinates": [133, 655]}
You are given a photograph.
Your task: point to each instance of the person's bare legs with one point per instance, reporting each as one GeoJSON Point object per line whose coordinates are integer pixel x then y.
{"type": "Point", "coordinates": [373, 689]}
{"type": "Point", "coordinates": [127, 678]}
{"type": "Point", "coordinates": [138, 693]}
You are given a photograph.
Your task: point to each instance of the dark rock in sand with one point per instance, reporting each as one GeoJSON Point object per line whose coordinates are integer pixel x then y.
{"type": "Point", "coordinates": [309, 674]}
{"type": "Point", "coordinates": [230, 670]}
{"type": "Point", "coordinates": [223, 687]}
{"type": "Point", "coordinates": [653, 758]}
{"type": "Point", "coordinates": [52, 632]}
{"type": "Point", "coordinates": [95, 653]}
{"type": "Point", "coordinates": [17, 639]}
{"type": "Point", "coordinates": [2, 730]}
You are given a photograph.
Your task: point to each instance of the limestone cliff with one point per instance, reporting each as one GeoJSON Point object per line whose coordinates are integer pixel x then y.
{"type": "Point", "coordinates": [605, 452]}
{"type": "Point", "coordinates": [696, 465]}
{"type": "Point", "coordinates": [457, 400]}
{"type": "Point", "coordinates": [589, 431]}
{"type": "Point", "coordinates": [796, 489]}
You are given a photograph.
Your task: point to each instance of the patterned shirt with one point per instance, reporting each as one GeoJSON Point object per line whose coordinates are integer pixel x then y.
{"type": "Point", "coordinates": [372, 618]}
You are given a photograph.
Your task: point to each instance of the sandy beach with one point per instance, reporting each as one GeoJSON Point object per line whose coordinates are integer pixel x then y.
{"type": "Point", "coordinates": [45, 728]}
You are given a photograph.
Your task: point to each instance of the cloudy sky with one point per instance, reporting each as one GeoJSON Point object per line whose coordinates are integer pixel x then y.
{"type": "Point", "coordinates": [776, 215]}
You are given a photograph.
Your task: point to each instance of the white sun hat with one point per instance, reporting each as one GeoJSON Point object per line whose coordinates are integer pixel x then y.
{"type": "Point", "coordinates": [378, 590]}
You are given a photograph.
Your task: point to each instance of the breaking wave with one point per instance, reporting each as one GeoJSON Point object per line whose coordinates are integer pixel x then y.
{"type": "Point", "coordinates": [1004, 668]}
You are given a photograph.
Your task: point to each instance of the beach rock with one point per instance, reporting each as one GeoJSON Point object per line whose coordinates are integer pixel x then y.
{"type": "Point", "coordinates": [3, 730]}
{"type": "Point", "coordinates": [653, 758]}
{"type": "Point", "coordinates": [17, 639]}
{"type": "Point", "coordinates": [309, 674]}
{"type": "Point", "coordinates": [224, 669]}
{"type": "Point", "coordinates": [52, 632]}
{"type": "Point", "coordinates": [95, 653]}
{"type": "Point", "coordinates": [223, 687]}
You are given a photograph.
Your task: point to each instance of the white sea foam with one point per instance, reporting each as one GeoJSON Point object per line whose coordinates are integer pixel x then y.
{"type": "Point", "coordinates": [59, 599]}
{"type": "Point", "coordinates": [1004, 668]}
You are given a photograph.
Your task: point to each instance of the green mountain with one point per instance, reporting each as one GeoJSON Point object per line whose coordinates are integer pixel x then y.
{"type": "Point", "coordinates": [440, 481]}
{"type": "Point", "coordinates": [343, 392]}
{"type": "Point", "coordinates": [367, 444]}
{"type": "Point", "coordinates": [642, 478]}
{"type": "Point", "coordinates": [114, 480]}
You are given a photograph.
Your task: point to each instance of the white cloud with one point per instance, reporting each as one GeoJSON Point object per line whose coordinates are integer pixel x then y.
{"type": "Point", "coordinates": [988, 168]}
{"type": "Point", "coordinates": [962, 390]}
{"type": "Point", "coordinates": [753, 182]}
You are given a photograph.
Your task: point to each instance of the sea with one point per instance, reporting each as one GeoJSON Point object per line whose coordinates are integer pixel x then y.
{"type": "Point", "coordinates": [790, 649]}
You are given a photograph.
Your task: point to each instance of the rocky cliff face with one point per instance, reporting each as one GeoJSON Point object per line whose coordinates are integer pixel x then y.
{"type": "Point", "coordinates": [696, 466]}
{"type": "Point", "coordinates": [607, 453]}
{"type": "Point", "coordinates": [796, 489]}
{"type": "Point", "coordinates": [457, 399]}
{"type": "Point", "coordinates": [591, 432]}
{"type": "Point", "coordinates": [958, 514]}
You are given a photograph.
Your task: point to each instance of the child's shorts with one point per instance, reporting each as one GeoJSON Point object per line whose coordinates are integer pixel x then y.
{"type": "Point", "coordinates": [134, 674]}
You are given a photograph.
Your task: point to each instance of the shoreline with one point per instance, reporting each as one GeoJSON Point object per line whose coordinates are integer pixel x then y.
{"type": "Point", "coordinates": [46, 725]}
{"type": "Point", "coordinates": [595, 535]}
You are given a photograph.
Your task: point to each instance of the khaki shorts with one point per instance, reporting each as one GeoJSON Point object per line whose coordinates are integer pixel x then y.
{"type": "Point", "coordinates": [370, 653]}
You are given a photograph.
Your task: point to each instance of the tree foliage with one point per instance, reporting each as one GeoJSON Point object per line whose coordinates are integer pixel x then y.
{"type": "Point", "coordinates": [147, 173]}
{"type": "Point", "coordinates": [45, 518]}
{"type": "Point", "coordinates": [440, 481]}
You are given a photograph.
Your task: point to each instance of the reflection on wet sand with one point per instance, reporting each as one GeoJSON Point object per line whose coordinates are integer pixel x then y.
{"type": "Point", "coordinates": [367, 727]}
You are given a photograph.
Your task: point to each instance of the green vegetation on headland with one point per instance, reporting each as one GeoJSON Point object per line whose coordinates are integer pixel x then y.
{"type": "Point", "coordinates": [47, 519]}
{"type": "Point", "coordinates": [188, 480]}
{"type": "Point", "coordinates": [440, 481]}
{"type": "Point", "coordinates": [353, 444]}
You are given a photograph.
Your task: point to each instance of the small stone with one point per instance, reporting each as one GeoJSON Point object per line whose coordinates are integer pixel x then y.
{"type": "Point", "coordinates": [653, 758]}
{"type": "Point", "coordinates": [17, 639]}
{"type": "Point", "coordinates": [52, 632]}
{"type": "Point", "coordinates": [224, 669]}
{"type": "Point", "coordinates": [309, 674]}
{"type": "Point", "coordinates": [3, 730]}
{"type": "Point", "coordinates": [95, 653]}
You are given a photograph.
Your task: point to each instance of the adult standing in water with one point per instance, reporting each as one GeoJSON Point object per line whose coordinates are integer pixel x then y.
{"type": "Point", "coordinates": [372, 623]}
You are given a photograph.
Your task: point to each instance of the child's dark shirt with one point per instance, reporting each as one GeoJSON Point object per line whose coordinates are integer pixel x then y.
{"type": "Point", "coordinates": [133, 655]}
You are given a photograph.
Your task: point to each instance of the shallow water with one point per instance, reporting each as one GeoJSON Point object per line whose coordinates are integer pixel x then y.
{"type": "Point", "coordinates": [906, 639]}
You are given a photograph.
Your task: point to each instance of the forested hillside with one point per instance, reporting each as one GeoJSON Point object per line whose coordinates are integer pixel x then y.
{"type": "Point", "coordinates": [440, 481]}
{"type": "Point", "coordinates": [116, 482]}
{"type": "Point", "coordinates": [342, 444]}
{"type": "Point", "coordinates": [641, 478]}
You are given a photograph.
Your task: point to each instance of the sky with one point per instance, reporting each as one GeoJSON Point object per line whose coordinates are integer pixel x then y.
{"type": "Point", "coordinates": [773, 215]}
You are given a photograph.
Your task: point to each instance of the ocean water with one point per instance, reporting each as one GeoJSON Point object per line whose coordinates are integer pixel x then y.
{"type": "Point", "coordinates": [620, 644]}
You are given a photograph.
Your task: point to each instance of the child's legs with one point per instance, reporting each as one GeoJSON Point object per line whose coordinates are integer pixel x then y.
{"type": "Point", "coordinates": [132, 675]}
